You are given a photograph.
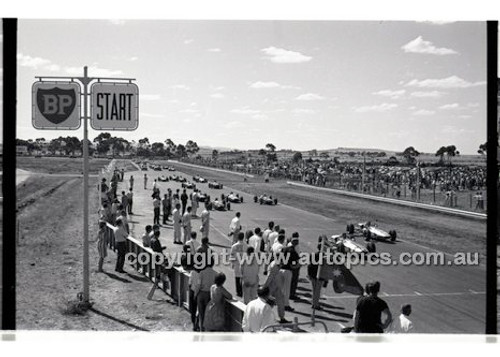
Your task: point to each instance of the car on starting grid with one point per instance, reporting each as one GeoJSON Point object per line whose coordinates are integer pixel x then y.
{"type": "Point", "coordinates": [234, 198]}
{"type": "Point", "coordinates": [371, 231]}
{"type": "Point", "coordinates": [265, 200]}
{"type": "Point", "coordinates": [199, 179]}
{"type": "Point", "coordinates": [216, 185]}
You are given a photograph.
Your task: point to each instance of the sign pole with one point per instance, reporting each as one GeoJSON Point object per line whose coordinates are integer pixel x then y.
{"type": "Point", "coordinates": [85, 189]}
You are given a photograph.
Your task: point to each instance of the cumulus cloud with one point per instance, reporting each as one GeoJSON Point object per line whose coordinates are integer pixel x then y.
{"type": "Point", "coordinates": [424, 112]}
{"type": "Point", "coordinates": [310, 96]}
{"type": "Point", "coordinates": [118, 22]}
{"type": "Point", "coordinates": [133, 58]}
{"type": "Point", "coordinates": [33, 62]}
{"type": "Point", "coordinates": [150, 115]}
{"type": "Point", "coordinates": [189, 111]}
{"type": "Point", "coordinates": [266, 85]}
{"type": "Point", "coordinates": [449, 82]}
{"type": "Point", "coordinates": [188, 41]}
{"type": "Point", "coordinates": [260, 117]}
{"type": "Point", "coordinates": [217, 95]}
{"type": "Point", "coordinates": [394, 94]}
{"type": "Point", "coordinates": [450, 106]}
{"type": "Point", "coordinates": [419, 45]}
{"type": "Point", "coordinates": [428, 94]}
{"type": "Point", "coordinates": [384, 107]}
{"type": "Point", "coordinates": [280, 55]}
{"type": "Point", "coordinates": [233, 125]}
{"type": "Point", "coordinates": [214, 50]}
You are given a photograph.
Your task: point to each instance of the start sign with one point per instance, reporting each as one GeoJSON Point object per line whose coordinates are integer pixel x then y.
{"type": "Point", "coordinates": [56, 105]}
{"type": "Point", "coordinates": [114, 106]}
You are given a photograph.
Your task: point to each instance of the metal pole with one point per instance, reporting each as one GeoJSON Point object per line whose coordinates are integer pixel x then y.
{"type": "Point", "coordinates": [85, 190]}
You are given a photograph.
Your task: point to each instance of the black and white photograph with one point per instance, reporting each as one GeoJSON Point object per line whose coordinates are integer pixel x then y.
{"type": "Point", "coordinates": [251, 176]}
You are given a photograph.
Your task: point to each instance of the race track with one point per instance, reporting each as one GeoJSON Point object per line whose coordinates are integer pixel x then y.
{"type": "Point", "coordinates": [445, 299]}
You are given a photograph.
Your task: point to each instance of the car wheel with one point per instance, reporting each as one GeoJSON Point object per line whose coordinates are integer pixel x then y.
{"type": "Point", "coordinates": [255, 199]}
{"type": "Point", "coordinates": [368, 236]}
{"type": "Point", "coordinates": [275, 201]}
{"type": "Point", "coordinates": [241, 200]}
{"type": "Point", "coordinates": [393, 235]}
{"type": "Point", "coordinates": [371, 247]}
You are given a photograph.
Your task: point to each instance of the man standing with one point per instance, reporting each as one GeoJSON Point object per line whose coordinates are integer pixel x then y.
{"type": "Point", "coordinates": [164, 204]}
{"type": "Point", "coordinates": [131, 182]}
{"type": "Point", "coordinates": [192, 243]}
{"type": "Point", "coordinates": [202, 285]}
{"type": "Point", "coordinates": [102, 244]}
{"type": "Point", "coordinates": [121, 245]}
{"type": "Point", "coordinates": [369, 312]}
{"type": "Point", "coordinates": [156, 209]}
{"type": "Point", "coordinates": [259, 312]}
{"type": "Point", "coordinates": [269, 235]}
{"type": "Point", "coordinates": [294, 243]}
{"type": "Point", "coordinates": [124, 201]}
{"type": "Point", "coordinates": [235, 227]}
{"type": "Point", "coordinates": [403, 323]}
{"type": "Point", "coordinates": [194, 202]}
{"type": "Point", "coordinates": [237, 251]}
{"type": "Point", "coordinates": [130, 196]}
{"type": "Point", "coordinates": [184, 200]}
{"type": "Point", "coordinates": [205, 221]}
{"type": "Point", "coordinates": [186, 224]}
{"type": "Point", "coordinates": [255, 241]}
{"type": "Point", "coordinates": [250, 276]}
{"type": "Point", "coordinates": [292, 263]}
{"type": "Point", "coordinates": [177, 218]}
{"type": "Point", "coordinates": [275, 282]}
{"type": "Point", "coordinates": [169, 203]}
{"type": "Point", "coordinates": [146, 237]}
{"type": "Point", "coordinates": [145, 181]}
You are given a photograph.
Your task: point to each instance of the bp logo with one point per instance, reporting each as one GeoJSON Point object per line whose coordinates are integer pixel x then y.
{"type": "Point", "coordinates": [56, 104]}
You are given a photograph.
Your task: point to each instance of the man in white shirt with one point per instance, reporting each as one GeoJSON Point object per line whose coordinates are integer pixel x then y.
{"type": "Point", "coordinates": [186, 224]}
{"type": "Point", "coordinates": [177, 218]}
{"type": "Point", "coordinates": [259, 312]}
{"type": "Point", "coordinates": [192, 243]}
{"type": "Point", "coordinates": [235, 227]}
{"type": "Point", "coordinates": [194, 202]}
{"type": "Point", "coordinates": [250, 275]}
{"type": "Point", "coordinates": [271, 236]}
{"type": "Point", "coordinates": [205, 222]}
{"type": "Point", "coordinates": [279, 245]}
{"type": "Point", "coordinates": [256, 240]}
{"type": "Point", "coordinates": [403, 324]}
{"type": "Point", "coordinates": [237, 251]}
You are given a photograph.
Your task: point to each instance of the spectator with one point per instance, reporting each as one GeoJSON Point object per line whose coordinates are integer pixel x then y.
{"type": "Point", "coordinates": [202, 289]}
{"type": "Point", "coordinates": [177, 218]}
{"type": "Point", "coordinates": [131, 182]}
{"type": "Point", "coordinates": [235, 227]}
{"type": "Point", "coordinates": [312, 273]}
{"type": "Point", "coordinates": [186, 225]}
{"type": "Point", "coordinates": [156, 209]}
{"type": "Point", "coordinates": [259, 312]}
{"type": "Point", "coordinates": [184, 199]}
{"type": "Point", "coordinates": [102, 244]}
{"type": "Point", "coordinates": [130, 196]}
{"type": "Point", "coordinates": [403, 323]}
{"type": "Point", "coordinates": [146, 237]}
{"type": "Point", "coordinates": [294, 243]}
{"type": "Point", "coordinates": [275, 283]}
{"type": "Point", "coordinates": [145, 181]}
{"type": "Point", "coordinates": [237, 251]}
{"type": "Point", "coordinates": [121, 236]}
{"type": "Point", "coordinates": [192, 243]}
{"type": "Point", "coordinates": [250, 276]}
{"type": "Point", "coordinates": [158, 269]}
{"type": "Point", "coordinates": [194, 203]}
{"type": "Point", "coordinates": [369, 312]}
{"type": "Point", "coordinates": [205, 221]}
{"type": "Point", "coordinates": [124, 201]}
{"type": "Point", "coordinates": [193, 281]}
{"type": "Point", "coordinates": [215, 317]}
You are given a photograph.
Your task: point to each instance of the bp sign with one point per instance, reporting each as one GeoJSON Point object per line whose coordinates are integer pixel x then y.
{"type": "Point", "coordinates": [114, 106]}
{"type": "Point", "coordinates": [56, 105]}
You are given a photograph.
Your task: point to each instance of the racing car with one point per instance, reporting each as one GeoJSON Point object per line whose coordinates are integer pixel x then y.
{"type": "Point", "coordinates": [215, 184]}
{"type": "Point", "coordinates": [371, 231]}
{"type": "Point", "coordinates": [144, 167]}
{"type": "Point", "coordinates": [199, 179]}
{"type": "Point", "coordinates": [188, 184]}
{"type": "Point", "coordinates": [171, 168]}
{"type": "Point", "coordinates": [157, 168]}
{"type": "Point", "coordinates": [203, 197]}
{"type": "Point", "coordinates": [163, 178]}
{"type": "Point", "coordinates": [178, 178]}
{"type": "Point", "coordinates": [344, 243]}
{"type": "Point", "coordinates": [234, 198]}
{"type": "Point", "coordinates": [219, 205]}
{"type": "Point", "coordinates": [265, 200]}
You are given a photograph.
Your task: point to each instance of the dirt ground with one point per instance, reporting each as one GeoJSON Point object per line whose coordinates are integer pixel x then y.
{"type": "Point", "coordinates": [49, 266]}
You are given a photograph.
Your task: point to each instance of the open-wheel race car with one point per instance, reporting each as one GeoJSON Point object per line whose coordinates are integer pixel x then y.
{"type": "Point", "coordinates": [178, 178]}
{"type": "Point", "coordinates": [199, 179]}
{"type": "Point", "coordinates": [203, 197]}
{"type": "Point", "coordinates": [370, 231]}
{"type": "Point", "coordinates": [265, 200]}
{"type": "Point", "coordinates": [189, 185]}
{"type": "Point", "coordinates": [215, 184]}
{"type": "Point", "coordinates": [219, 205]}
{"type": "Point", "coordinates": [170, 168]}
{"type": "Point", "coordinates": [234, 198]}
{"type": "Point", "coordinates": [163, 178]}
{"type": "Point", "coordinates": [344, 243]}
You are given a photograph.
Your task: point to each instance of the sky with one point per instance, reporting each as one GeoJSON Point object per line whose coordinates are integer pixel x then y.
{"type": "Point", "coordinates": [300, 85]}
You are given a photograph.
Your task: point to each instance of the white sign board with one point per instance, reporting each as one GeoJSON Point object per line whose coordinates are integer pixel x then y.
{"type": "Point", "coordinates": [114, 106]}
{"type": "Point", "coordinates": [56, 105]}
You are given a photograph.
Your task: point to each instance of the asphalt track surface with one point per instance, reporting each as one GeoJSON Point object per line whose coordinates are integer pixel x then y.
{"type": "Point", "coordinates": [445, 299]}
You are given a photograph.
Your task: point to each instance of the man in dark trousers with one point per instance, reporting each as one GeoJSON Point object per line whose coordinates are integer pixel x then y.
{"type": "Point", "coordinates": [369, 310]}
{"type": "Point", "coordinates": [184, 199]}
{"type": "Point", "coordinates": [292, 264]}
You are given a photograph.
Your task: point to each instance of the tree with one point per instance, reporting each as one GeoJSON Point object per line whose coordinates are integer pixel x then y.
{"type": "Point", "coordinates": [324, 155]}
{"type": "Point", "coordinates": [313, 153]}
{"type": "Point", "coordinates": [192, 147]}
{"type": "Point", "coordinates": [297, 157]}
{"type": "Point", "coordinates": [270, 147]}
{"type": "Point", "coordinates": [482, 149]}
{"type": "Point", "coordinates": [158, 149]}
{"type": "Point", "coordinates": [450, 151]}
{"type": "Point", "coordinates": [410, 154]}
{"type": "Point", "coordinates": [215, 154]}
{"type": "Point", "coordinates": [171, 147]}
{"type": "Point", "coordinates": [181, 151]}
